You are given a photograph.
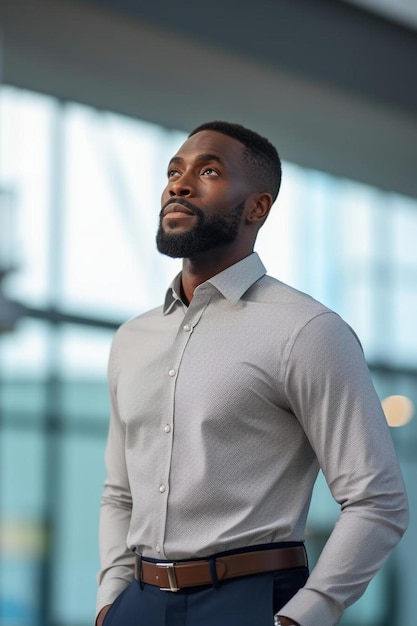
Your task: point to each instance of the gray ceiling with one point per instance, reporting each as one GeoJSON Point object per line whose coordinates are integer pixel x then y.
{"type": "Point", "coordinates": [333, 85]}
{"type": "Point", "coordinates": [328, 41]}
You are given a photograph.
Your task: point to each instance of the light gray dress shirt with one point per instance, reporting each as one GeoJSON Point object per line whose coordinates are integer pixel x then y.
{"type": "Point", "coordinates": [222, 414]}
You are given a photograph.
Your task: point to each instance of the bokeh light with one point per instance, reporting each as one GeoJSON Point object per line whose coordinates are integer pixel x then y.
{"type": "Point", "coordinates": [399, 410]}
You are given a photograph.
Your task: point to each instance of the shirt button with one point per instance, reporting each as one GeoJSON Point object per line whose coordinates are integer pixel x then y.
{"type": "Point", "coordinates": [158, 547]}
{"type": "Point", "coordinates": [171, 372]}
{"type": "Point", "coordinates": [187, 328]}
{"type": "Point", "coordinates": [167, 429]}
{"type": "Point", "coordinates": [162, 489]}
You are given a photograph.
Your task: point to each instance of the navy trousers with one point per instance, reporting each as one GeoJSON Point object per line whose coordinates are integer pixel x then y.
{"type": "Point", "coordinates": [247, 601]}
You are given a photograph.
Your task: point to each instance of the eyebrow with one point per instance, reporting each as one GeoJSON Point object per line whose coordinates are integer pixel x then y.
{"type": "Point", "coordinates": [201, 157]}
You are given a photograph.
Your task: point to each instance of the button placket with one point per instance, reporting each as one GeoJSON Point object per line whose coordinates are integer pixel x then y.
{"type": "Point", "coordinates": [184, 334]}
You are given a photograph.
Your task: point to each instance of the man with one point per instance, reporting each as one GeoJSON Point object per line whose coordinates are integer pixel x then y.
{"type": "Point", "coordinates": [226, 401]}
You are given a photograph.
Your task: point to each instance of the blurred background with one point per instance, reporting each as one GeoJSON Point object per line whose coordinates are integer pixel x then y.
{"type": "Point", "coordinates": [95, 96]}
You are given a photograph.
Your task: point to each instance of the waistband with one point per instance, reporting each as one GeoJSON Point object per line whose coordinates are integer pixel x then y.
{"type": "Point", "coordinates": [173, 576]}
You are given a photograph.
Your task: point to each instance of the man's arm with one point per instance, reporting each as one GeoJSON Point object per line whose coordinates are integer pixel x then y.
{"type": "Point", "coordinates": [117, 561]}
{"type": "Point", "coordinates": [330, 391]}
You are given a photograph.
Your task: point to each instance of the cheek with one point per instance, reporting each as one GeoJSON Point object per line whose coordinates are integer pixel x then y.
{"type": "Point", "coordinates": [164, 196]}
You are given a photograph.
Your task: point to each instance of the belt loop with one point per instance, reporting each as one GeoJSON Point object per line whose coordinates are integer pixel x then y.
{"type": "Point", "coordinates": [138, 568]}
{"type": "Point", "coordinates": [213, 573]}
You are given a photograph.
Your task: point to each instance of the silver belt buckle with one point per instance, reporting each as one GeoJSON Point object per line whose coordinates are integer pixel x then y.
{"type": "Point", "coordinates": [172, 579]}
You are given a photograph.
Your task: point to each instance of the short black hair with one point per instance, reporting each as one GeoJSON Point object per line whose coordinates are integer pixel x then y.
{"type": "Point", "coordinates": [260, 155]}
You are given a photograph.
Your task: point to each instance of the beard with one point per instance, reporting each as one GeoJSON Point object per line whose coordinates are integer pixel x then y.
{"type": "Point", "coordinates": [211, 231]}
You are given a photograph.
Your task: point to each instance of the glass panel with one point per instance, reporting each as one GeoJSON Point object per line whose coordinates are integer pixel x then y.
{"type": "Point", "coordinates": [75, 564]}
{"type": "Point", "coordinates": [113, 184]}
{"type": "Point", "coordinates": [25, 351]}
{"type": "Point", "coordinates": [23, 372]}
{"type": "Point", "coordinates": [22, 530]}
{"type": "Point", "coordinates": [25, 154]}
{"type": "Point", "coordinates": [83, 366]}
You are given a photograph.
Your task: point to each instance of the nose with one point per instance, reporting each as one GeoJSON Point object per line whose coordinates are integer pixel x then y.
{"type": "Point", "coordinates": [180, 186]}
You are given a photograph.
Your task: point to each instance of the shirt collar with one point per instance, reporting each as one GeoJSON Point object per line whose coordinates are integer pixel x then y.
{"type": "Point", "coordinates": [172, 295]}
{"type": "Point", "coordinates": [232, 282]}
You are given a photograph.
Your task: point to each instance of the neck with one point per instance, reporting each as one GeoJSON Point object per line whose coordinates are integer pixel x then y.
{"type": "Point", "coordinates": [197, 270]}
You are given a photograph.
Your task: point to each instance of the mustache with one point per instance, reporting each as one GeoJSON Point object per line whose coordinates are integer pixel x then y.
{"type": "Point", "coordinates": [183, 202]}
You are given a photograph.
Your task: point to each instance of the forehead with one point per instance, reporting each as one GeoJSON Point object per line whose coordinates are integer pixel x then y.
{"type": "Point", "coordinates": [210, 142]}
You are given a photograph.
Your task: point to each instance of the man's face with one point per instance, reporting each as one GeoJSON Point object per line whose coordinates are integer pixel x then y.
{"type": "Point", "coordinates": [204, 199]}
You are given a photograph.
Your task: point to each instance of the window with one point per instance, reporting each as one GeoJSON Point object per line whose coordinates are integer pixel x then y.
{"type": "Point", "coordinates": [83, 189]}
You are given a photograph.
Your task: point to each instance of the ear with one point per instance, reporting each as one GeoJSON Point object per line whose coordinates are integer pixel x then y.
{"type": "Point", "coordinates": [260, 205]}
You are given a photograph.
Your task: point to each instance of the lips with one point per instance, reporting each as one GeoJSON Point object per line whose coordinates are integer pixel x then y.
{"type": "Point", "coordinates": [177, 207]}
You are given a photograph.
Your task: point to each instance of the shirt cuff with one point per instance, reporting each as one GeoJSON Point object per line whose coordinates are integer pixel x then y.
{"type": "Point", "coordinates": [310, 608]}
{"type": "Point", "coordinates": [109, 591]}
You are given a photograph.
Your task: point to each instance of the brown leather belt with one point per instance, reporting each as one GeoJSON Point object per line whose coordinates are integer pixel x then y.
{"type": "Point", "coordinates": [174, 576]}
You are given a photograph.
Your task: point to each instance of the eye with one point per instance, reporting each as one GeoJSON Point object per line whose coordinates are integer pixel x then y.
{"type": "Point", "coordinates": [209, 171]}
{"type": "Point", "coordinates": [172, 172]}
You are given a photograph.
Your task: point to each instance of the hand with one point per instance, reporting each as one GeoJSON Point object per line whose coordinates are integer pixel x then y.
{"type": "Point", "coordinates": [285, 621]}
{"type": "Point", "coordinates": [102, 614]}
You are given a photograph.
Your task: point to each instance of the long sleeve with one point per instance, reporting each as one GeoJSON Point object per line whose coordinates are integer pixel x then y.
{"type": "Point", "coordinates": [331, 393]}
{"type": "Point", "coordinates": [116, 506]}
